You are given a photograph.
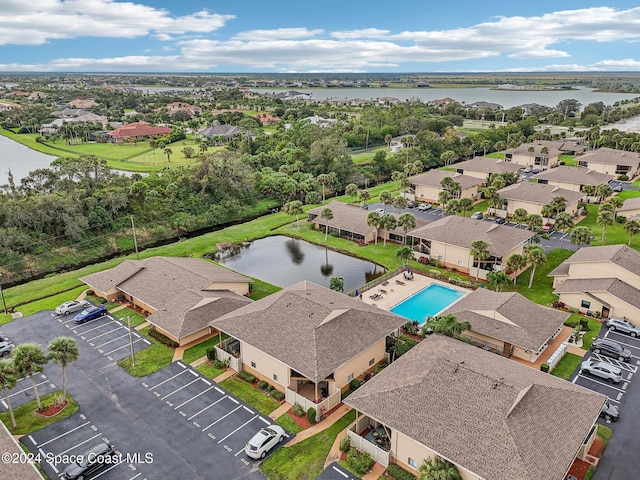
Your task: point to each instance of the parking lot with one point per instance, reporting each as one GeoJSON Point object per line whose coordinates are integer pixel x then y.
{"type": "Point", "coordinates": [225, 420]}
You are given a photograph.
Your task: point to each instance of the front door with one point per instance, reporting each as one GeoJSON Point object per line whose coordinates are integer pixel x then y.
{"type": "Point", "coordinates": [605, 312]}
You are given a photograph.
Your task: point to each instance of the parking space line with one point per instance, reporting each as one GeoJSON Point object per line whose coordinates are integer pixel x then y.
{"type": "Point", "coordinates": [241, 426]}
{"type": "Point", "coordinates": [602, 383]}
{"type": "Point", "coordinates": [340, 472]}
{"type": "Point", "coordinates": [125, 346]}
{"type": "Point", "coordinates": [136, 476]}
{"type": "Point", "coordinates": [222, 418]}
{"type": "Point", "coordinates": [193, 398]}
{"type": "Point", "coordinates": [234, 400]}
{"type": "Point", "coordinates": [50, 464]}
{"type": "Point", "coordinates": [28, 388]}
{"type": "Point", "coordinates": [208, 406]}
{"type": "Point", "coordinates": [81, 443]}
{"type": "Point", "coordinates": [622, 343]}
{"type": "Point", "coordinates": [91, 329]}
{"type": "Point", "coordinates": [103, 334]}
{"type": "Point", "coordinates": [66, 433]}
{"type": "Point", "coordinates": [248, 409]}
{"type": "Point", "coordinates": [113, 340]}
{"type": "Point", "coordinates": [167, 380]}
{"type": "Point", "coordinates": [205, 381]}
{"type": "Point", "coordinates": [72, 319]}
{"type": "Point", "coordinates": [107, 470]}
{"type": "Point", "coordinates": [617, 363]}
{"type": "Point", "coordinates": [265, 420]}
{"type": "Point", "coordinates": [220, 391]}
{"type": "Point", "coordinates": [176, 391]}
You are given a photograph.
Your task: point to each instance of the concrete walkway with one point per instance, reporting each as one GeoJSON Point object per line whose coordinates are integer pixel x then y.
{"type": "Point", "coordinates": [223, 376]}
{"type": "Point", "coordinates": [142, 325]}
{"type": "Point", "coordinates": [119, 307]}
{"type": "Point", "coordinates": [179, 353]}
{"type": "Point", "coordinates": [321, 426]}
{"type": "Point", "coordinates": [199, 361]}
{"type": "Point", "coordinates": [375, 473]}
{"type": "Point", "coordinates": [281, 410]}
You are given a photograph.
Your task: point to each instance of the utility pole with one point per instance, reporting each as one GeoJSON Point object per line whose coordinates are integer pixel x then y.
{"type": "Point", "coordinates": [4, 304]}
{"type": "Point", "coordinates": [135, 240]}
{"type": "Point", "coordinates": [133, 353]}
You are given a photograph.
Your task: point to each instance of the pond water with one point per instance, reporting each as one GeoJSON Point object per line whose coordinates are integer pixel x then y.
{"type": "Point", "coordinates": [284, 261]}
{"type": "Point", "coordinates": [20, 159]}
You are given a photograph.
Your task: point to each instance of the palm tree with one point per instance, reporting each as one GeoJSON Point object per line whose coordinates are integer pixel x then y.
{"type": "Point", "coordinates": [564, 221]}
{"type": "Point", "coordinates": [337, 284]}
{"type": "Point", "coordinates": [531, 151]}
{"type": "Point", "coordinates": [28, 360]}
{"type": "Point", "coordinates": [535, 256]}
{"type": "Point", "coordinates": [498, 280]}
{"type": "Point", "coordinates": [293, 208]}
{"type": "Point", "coordinates": [479, 252]}
{"type": "Point", "coordinates": [547, 211]}
{"type": "Point", "coordinates": [451, 186]}
{"type": "Point", "coordinates": [404, 253]}
{"type": "Point", "coordinates": [605, 217]}
{"type": "Point", "coordinates": [465, 205]}
{"type": "Point", "coordinates": [385, 198]}
{"type": "Point", "coordinates": [398, 177]}
{"type": "Point", "coordinates": [580, 236]}
{"type": "Point", "coordinates": [534, 221]}
{"type": "Point", "coordinates": [399, 202]}
{"type": "Point", "coordinates": [447, 156]}
{"type": "Point", "coordinates": [444, 196]}
{"type": "Point", "coordinates": [351, 190]}
{"type": "Point", "coordinates": [8, 380]}
{"type": "Point", "coordinates": [63, 351]}
{"type": "Point", "coordinates": [520, 215]}
{"type": "Point", "coordinates": [558, 204]}
{"type": "Point", "coordinates": [453, 207]}
{"type": "Point", "coordinates": [438, 469]}
{"type": "Point", "coordinates": [387, 140]}
{"type": "Point", "coordinates": [485, 145]}
{"type": "Point", "coordinates": [449, 326]}
{"type": "Point", "coordinates": [407, 221]}
{"type": "Point", "coordinates": [323, 180]}
{"type": "Point", "coordinates": [168, 152]}
{"type": "Point", "coordinates": [616, 202]}
{"type": "Point", "coordinates": [388, 222]}
{"type": "Point", "coordinates": [364, 196]}
{"type": "Point", "coordinates": [326, 214]}
{"type": "Point", "coordinates": [603, 191]}
{"type": "Point", "coordinates": [632, 227]}
{"type": "Point", "coordinates": [516, 263]}
{"type": "Point", "coordinates": [375, 219]}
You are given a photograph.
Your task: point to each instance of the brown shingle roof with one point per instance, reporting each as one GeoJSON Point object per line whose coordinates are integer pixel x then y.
{"type": "Point", "coordinates": [621, 255]}
{"type": "Point", "coordinates": [611, 156]}
{"type": "Point", "coordinates": [574, 175]}
{"type": "Point", "coordinates": [630, 204]}
{"type": "Point", "coordinates": [310, 328]}
{"type": "Point", "coordinates": [538, 193]}
{"type": "Point", "coordinates": [15, 470]}
{"type": "Point", "coordinates": [432, 178]}
{"type": "Point", "coordinates": [497, 418]}
{"type": "Point", "coordinates": [527, 324]}
{"type": "Point", "coordinates": [593, 286]}
{"type": "Point", "coordinates": [462, 231]}
{"type": "Point", "coordinates": [488, 165]}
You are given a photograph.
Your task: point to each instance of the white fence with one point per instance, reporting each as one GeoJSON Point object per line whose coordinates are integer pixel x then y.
{"type": "Point", "coordinates": [322, 407]}
{"type": "Point", "coordinates": [378, 454]}
{"type": "Point", "coordinates": [234, 362]}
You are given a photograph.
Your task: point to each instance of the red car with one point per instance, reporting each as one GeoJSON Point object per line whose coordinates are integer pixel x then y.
{"type": "Point", "coordinates": [547, 228]}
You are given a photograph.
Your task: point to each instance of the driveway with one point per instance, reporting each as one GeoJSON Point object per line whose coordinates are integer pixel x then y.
{"type": "Point", "coordinates": [146, 419]}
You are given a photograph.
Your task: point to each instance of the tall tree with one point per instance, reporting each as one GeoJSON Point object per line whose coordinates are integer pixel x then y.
{"type": "Point", "coordinates": [498, 280]}
{"type": "Point", "coordinates": [388, 222]}
{"type": "Point", "coordinates": [399, 202]}
{"type": "Point", "coordinates": [465, 205]}
{"type": "Point", "coordinates": [352, 191]}
{"type": "Point", "coordinates": [632, 227]}
{"type": "Point", "coordinates": [534, 221]}
{"type": "Point", "coordinates": [535, 257]}
{"type": "Point", "coordinates": [520, 215]}
{"type": "Point", "coordinates": [326, 214]}
{"type": "Point", "coordinates": [449, 326]}
{"type": "Point", "coordinates": [603, 191]}
{"type": "Point", "coordinates": [564, 221]}
{"type": "Point", "coordinates": [28, 359]}
{"type": "Point", "coordinates": [404, 253]}
{"type": "Point", "coordinates": [385, 198]}
{"type": "Point", "coordinates": [294, 208]}
{"type": "Point", "coordinates": [8, 380]}
{"type": "Point", "coordinates": [323, 180]}
{"type": "Point", "coordinates": [605, 218]}
{"type": "Point", "coordinates": [408, 222]}
{"type": "Point", "coordinates": [516, 263]}
{"type": "Point", "coordinates": [580, 236]}
{"type": "Point", "coordinates": [63, 351]}
{"type": "Point", "coordinates": [374, 219]}
{"type": "Point", "coordinates": [479, 252]}
{"type": "Point", "coordinates": [364, 195]}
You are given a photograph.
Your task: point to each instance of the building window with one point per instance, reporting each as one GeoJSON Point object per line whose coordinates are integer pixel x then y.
{"type": "Point", "coordinates": [253, 364]}
{"type": "Point", "coordinates": [372, 361]}
{"type": "Point", "coordinates": [460, 263]}
{"type": "Point", "coordinates": [349, 377]}
{"type": "Point", "coordinates": [412, 462]}
{"type": "Point", "coordinates": [275, 377]}
{"type": "Point", "coordinates": [585, 304]}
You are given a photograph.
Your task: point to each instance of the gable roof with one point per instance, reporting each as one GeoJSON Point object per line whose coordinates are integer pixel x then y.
{"type": "Point", "coordinates": [138, 129]}
{"type": "Point", "coordinates": [310, 328]}
{"type": "Point", "coordinates": [593, 286]}
{"type": "Point", "coordinates": [630, 204]}
{"type": "Point", "coordinates": [463, 231]}
{"type": "Point", "coordinates": [611, 156]}
{"type": "Point", "coordinates": [508, 316]}
{"type": "Point", "coordinates": [488, 165]}
{"type": "Point", "coordinates": [574, 175]}
{"type": "Point", "coordinates": [220, 130]}
{"type": "Point", "coordinates": [497, 418]}
{"type": "Point", "coordinates": [620, 255]}
{"type": "Point", "coordinates": [432, 178]}
{"type": "Point", "coordinates": [538, 193]}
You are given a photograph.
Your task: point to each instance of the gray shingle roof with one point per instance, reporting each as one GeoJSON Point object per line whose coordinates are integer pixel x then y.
{"type": "Point", "coordinates": [593, 286]}
{"type": "Point", "coordinates": [310, 328]}
{"type": "Point", "coordinates": [527, 324]}
{"type": "Point", "coordinates": [432, 178]}
{"type": "Point", "coordinates": [488, 165]}
{"type": "Point", "coordinates": [17, 470]}
{"type": "Point", "coordinates": [611, 156]}
{"type": "Point", "coordinates": [538, 193]}
{"type": "Point", "coordinates": [462, 231]}
{"type": "Point", "coordinates": [574, 175]}
{"type": "Point", "coordinates": [497, 418]}
{"type": "Point", "coordinates": [621, 255]}
{"type": "Point", "coordinates": [630, 204]}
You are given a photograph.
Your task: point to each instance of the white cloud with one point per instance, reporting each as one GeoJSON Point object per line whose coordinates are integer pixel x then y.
{"type": "Point", "coordinates": [364, 33]}
{"type": "Point", "coordinates": [278, 34]}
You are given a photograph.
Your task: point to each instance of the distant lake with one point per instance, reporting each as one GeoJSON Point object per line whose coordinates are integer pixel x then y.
{"type": "Point", "coordinates": [506, 98]}
{"type": "Point", "coordinates": [285, 261]}
{"type": "Point", "coordinates": [20, 159]}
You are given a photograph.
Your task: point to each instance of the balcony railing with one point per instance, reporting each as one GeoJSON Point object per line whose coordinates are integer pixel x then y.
{"type": "Point", "coordinates": [321, 407]}
{"type": "Point", "coordinates": [378, 453]}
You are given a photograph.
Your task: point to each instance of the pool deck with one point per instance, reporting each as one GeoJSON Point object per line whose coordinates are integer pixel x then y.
{"type": "Point", "coordinates": [397, 292]}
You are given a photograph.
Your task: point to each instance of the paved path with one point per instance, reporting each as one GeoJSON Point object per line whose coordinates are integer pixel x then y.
{"type": "Point", "coordinates": [321, 426]}
{"type": "Point", "coordinates": [199, 361]}
{"type": "Point", "coordinates": [281, 410]}
{"type": "Point", "coordinates": [223, 376]}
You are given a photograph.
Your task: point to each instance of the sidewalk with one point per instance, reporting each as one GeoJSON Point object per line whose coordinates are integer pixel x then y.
{"type": "Point", "coordinates": [281, 410]}
{"type": "Point", "coordinates": [179, 352]}
{"type": "Point", "coordinates": [223, 376]}
{"type": "Point", "coordinates": [319, 427]}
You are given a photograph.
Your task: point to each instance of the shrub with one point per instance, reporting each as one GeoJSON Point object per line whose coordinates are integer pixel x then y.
{"type": "Point", "coordinates": [262, 385]}
{"type": "Point", "coordinates": [345, 444]}
{"type": "Point", "coordinates": [311, 415]}
{"type": "Point", "coordinates": [333, 233]}
{"type": "Point", "coordinates": [153, 333]}
{"type": "Point", "coordinates": [355, 383]}
{"type": "Point", "coordinates": [277, 395]}
{"type": "Point", "coordinates": [399, 473]}
{"type": "Point", "coordinates": [573, 310]}
{"type": "Point", "coordinates": [211, 354]}
{"type": "Point", "coordinates": [359, 462]}
{"type": "Point", "coordinates": [381, 366]}
{"type": "Point", "coordinates": [221, 365]}
{"type": "Point", "coordinates": [424, 260]}
{"type": "Point", "coordinates": [247, 377]}
{"type": "Point", "coordinates": [557, 304]}
{"type": "Point", "coordinates": [101, 300]}
{"type": "Point", "coordinates": [623, 178]}
{"type": "Point", "coordinates": [572, 322]}
{"type": "Point", "coordinates": [297, 409]}
{"type": "Point", "coordinates": [90, 293]}
{"type": "Point", "coordinates": [270, 388]}
{"type": "Point", "coordinates": [584, 324]}
{"type": "Point", "coordinates": [544, 367]}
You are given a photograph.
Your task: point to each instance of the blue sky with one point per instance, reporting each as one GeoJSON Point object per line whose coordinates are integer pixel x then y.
{"type": "Point", "coordinates": [324, 36]}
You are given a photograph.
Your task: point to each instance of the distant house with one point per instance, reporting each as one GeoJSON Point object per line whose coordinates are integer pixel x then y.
{"type": "Point", "coordinates": [508, 323]}
{"type": "Point", "coordinates": [223, 133]}
{"type": "Point", "coordinates": [7, 106]}
{"type": "Point", "coordinates": [483, 167]}
{"type": "Point", "coordinates": [534, 196]}
{"type": "Point", "coordinates": [449, 240]}
{"type": "Point", "coordinates": [350, 221]}
{"type": "Point", "coordinates": [73, 115]}
{"type": "Point", "coordinates": [182, 295]}
{"type": "Point", "coordinates": [630, 208]}
{"type": "Point", "coordinates": [83, 103]}
{"type": "Point", "coordinates": [308, 341]}
{"type": "Point", "coordinates": [138, 130]}
{"type": "Point", "coordinates": [491, 417]}
{"type": "Point", "coordinates": [534, 155]}
{"type": "Point", "coordinates": [572, 178]}
{"type": "Point", "coordinates": [267, 118]}
{"type": "Point", "coordinates": [320, 121]}
{"type": "Point", "coordinates": [604, 280]}
{"type": "Point", "coordinates": [401, 141]}
{"type": "Point", "coordinates": [191, 110]}
{"type": "Point", "coordinates": [612, 161]}
{"type": "Point", "coordinates": [427, 186]}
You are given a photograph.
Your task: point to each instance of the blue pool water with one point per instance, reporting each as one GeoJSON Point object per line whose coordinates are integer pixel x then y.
{"type": "Point", "coordinates": [427, 302]}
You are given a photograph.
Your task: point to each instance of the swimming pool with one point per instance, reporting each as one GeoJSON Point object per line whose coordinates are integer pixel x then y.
{"type": "Point", "coordinates": [427, 302]}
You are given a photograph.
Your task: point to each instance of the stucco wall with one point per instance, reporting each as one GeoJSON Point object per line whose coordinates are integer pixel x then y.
{"type": "Point", "coordinates": [603, 270]}
{"type": "Point", "coordinates": [359, 365]}
{"type": "Point", "coordinates": [265, 366]}
{"type": "Point", "coordinates": [618, 308]}
{"type": "Point", "coordinates": [241, 288]}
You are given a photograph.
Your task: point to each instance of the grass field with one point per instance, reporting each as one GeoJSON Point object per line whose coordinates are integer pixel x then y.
{"type": "Point", "coordinates": [26, 419]}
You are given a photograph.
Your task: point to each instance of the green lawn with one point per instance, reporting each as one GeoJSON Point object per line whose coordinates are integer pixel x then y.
{"type": "Point", "coordinates": [26, 419]}
{"type": "Point", "coordinates": [592, 333]}
{"type": "Point", "coordinates": [566, 366]}
{"type": "Point", "coordinates": [286, 422]}
{"type": "Point", "coordinates": [614, 234]}
{"type": "Point", "coordinates": [569, 160]}
{"type": "Point", "coordinates": [200, 350]}
{"type": "Point", "coordinates": [366, 157]}
{"type": "Point", "coordinates": [209, 371]}
{"type": "Point", "coordinates": [254, 397]}
{"type": "Point", "coordinates": [149, 360]}
{"type": "Point", "coordinates": [305, 460]}
{"type": "Point", "coordinates": [136, 318]}
{"type": "Point", "coordinates": [541, 291]}
{"type": "Point", "coordinates": [50, 303]}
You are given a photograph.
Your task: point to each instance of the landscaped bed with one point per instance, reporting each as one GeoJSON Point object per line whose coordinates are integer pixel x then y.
{"type": "Point", "coordinates": [27, 419]}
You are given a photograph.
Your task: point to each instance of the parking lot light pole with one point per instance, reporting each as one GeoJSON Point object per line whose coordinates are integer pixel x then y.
{"type": "Point", "coordinates": [133, 355]}
{"type": "Point", "coordinates": [4, 303]}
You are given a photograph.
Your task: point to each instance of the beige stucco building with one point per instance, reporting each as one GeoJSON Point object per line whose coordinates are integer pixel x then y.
{"type": "Point", "coordinates": [612, 161]}
{"type": "Point", "coordinates": [483, 167]}
{"type": "Point", "coordinates": [449, 240]}
{"type": "Point", "coordinates": [604, 280]}
{"type": "Point", "coordinates": [427, 186]}
{"type": "Point", "coordinates": [532, 197]}
{"type": "Point", "coordinates": [533, 155]}
{"type": "Point", "coordinates": [572, 178]}
{"type": "Point", "coordinates": [630, 209]}
{"type": "Point", "coordinates": [491, 417]}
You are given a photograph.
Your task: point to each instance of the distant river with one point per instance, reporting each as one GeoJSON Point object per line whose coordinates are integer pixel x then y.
{"type": "Point", "coordinates": [506, 98]}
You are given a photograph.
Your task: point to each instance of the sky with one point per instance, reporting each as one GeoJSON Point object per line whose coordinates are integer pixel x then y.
{"type": "Point", "coordinates": [305, 36]}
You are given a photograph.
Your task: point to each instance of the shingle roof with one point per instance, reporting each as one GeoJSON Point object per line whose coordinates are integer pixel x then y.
{"type": "Point", "coordinates": [432, 178]}
{"type": "Point", "coordinates": [630, 204]}
{"type": "Point", "coordinates": [611, 156]}
{"type": "Point", "coordinates": [462, 231]}
{"type": "Point", "coordinates": [138, 129]}
{"type": "Point", "coordinates": [574, 175]}
{"type": "Point", "coordinates": [497, 418]}
{"type": "Point", "coordinates": [592, 286]}
{"type": "Point", "coordinates": [310, 328]}
{"type": "Point", "coordinates": [488, 165]}
{"type": "Point", "coordinates": [221, 130]}
{"type": "Point", "coordinates": [508, 316]}
{"type": "Point", "coordinates": [537, 146]}
{"type": "Point", "coordinates": [621, 255]}
{"type": "Point", "coordinates": [15, 470]}
{"type": "Point", "coordinates": [538, 193]}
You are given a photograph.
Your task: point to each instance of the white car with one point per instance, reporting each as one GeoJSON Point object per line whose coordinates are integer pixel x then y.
{"type": "Point", "coordinates": [380, 211]}
{"type": "Point", "coordinates": [72, 306]}
{"type": "Point", "coordinates": [424, 206]}
{"type": "Point", "coordinates": [263, 441]}
{"type": "Point", "coordinates": [622, 325]}
{"type": "Point", "coordinates": [603, 370]}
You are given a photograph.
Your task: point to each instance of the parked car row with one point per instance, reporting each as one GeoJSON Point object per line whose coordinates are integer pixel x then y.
{"type": "Point", "coordinates": [622, 325]}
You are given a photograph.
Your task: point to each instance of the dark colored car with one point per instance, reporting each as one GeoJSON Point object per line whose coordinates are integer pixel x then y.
{"type": "Point", "coordinates": [610, 412]}
{"type": "Point", "coordinates": [90, 313]}
{"type": "Point", "coordinates": [412, 204]}
{"type": "Point", "coordinates": [611, 349]}
{"type": "Point", "coordinates": [91, 461]}
{"type": "Point", "coordinates": [499, 220]}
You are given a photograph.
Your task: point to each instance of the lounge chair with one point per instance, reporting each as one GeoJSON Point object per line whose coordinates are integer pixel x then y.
{"type": "Point", "coordinates": [399, 282]}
